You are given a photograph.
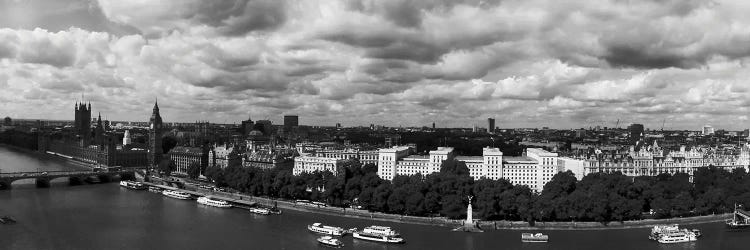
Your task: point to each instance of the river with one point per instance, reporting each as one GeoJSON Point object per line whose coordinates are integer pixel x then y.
{"type": "Point", "coordinates": [105, 216]}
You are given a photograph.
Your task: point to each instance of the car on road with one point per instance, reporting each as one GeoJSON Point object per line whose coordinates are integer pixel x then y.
{"type": "Point", "coordinates": [44, 173]}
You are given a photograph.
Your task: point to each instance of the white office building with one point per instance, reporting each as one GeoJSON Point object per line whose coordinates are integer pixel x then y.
{"type": "Point", "coordinates": [310, 164]}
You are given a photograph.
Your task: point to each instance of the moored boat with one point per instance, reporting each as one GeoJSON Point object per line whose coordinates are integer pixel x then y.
{"type": "Point", "coordinates": [677, 237]}
{"type": "Point", "coordinates": [379, 234]}
{"type": "Point", "coordinates": [330, 241]}
{"type": "Point", "coordinates": [323, 229]}
{"type": "Point", "coordinates": [658, 230]}
{"type": "Point", "coordinates": [537, 237]}
{"type": "Point", "coordinates": [205, 200]}
{"type": "Point", "coordinates": [740, 219]}
{"type": "Point", "coordinates": [176, 194]}
{"type": "Point", "coordinates": [262, 211]}
{"type": "Point", "coordinates": [155, 189]}
{"type": "Point", "coordinates": [133, 185]}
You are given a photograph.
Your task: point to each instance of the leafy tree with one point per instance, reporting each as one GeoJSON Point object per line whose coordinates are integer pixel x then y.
{"type": "Point", "coordinates": [166, 166]}
{"type": "Point", "coordinates": [168, 143]}
{"type": "Point", "coordinates": [194, 170]}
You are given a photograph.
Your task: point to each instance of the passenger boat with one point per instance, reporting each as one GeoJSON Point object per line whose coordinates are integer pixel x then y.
{"type": "Point", "coordinates": [379, 234]}
{"type": "Point", "coordinates": [323, 229]}
{"type": "Point", "coordinates": [659, 230]}
{"type": "Point", "coordinates": [155, 189]}
{"type": "Point", "coordinates": [697, 232]}
{"type": "Point", "coordinates": [537, 237]}
{"type": "Point", "coordinates": [740, 219]}
{"type": "Point", "coordinates": [262, 211]}
{"type": "Point", "coordinates": [677, 237]}
{"type": "Point", "coordinates": [205, 200]}
{"type": "Point", "coordinates": [176, 194]}
{"type": "Point", "coordinates": [330, 241]}
{"type": "Point", "coordinates": [133, 185]}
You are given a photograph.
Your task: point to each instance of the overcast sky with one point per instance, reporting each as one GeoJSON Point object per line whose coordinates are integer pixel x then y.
{"type": "Point", "coordinates": [528, 63]}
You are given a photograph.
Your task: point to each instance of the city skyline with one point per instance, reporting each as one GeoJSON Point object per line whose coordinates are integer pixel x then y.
{"type": "Point", "coordinates": [394, 63]}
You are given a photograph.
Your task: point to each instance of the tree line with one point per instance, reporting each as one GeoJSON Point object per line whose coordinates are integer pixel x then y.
{"type": "Point", "coordinates": [601, 197]}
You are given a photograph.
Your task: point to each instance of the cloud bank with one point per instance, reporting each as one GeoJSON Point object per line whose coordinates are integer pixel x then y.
{"type": "Point", "coordinates": [395, 62]}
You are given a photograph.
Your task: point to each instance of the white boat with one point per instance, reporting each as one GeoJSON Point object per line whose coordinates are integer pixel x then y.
{"type": "Point", "coordinates": [133, 185]}
{"type": "Point", "coordinates": [659, 230]}
{"type": "Point", "coordinates": [262, 211]}
{"type": "Point", "coordinates": [677, 237]}
{"type": "Point", "coordinates": [176, 194]}
{"type": "Point", "coordinates": [537, 237]}
{"type": "Point", "coordinates": [323, 229]}
{"type": "Point", "coordinates": [330, 241]}
{"type": "Point", "coordinates": [154, 189]}
{"type": "Point", "coordinates": [213, 202]}
{"type": "Point", "coordinates": [379, 234]}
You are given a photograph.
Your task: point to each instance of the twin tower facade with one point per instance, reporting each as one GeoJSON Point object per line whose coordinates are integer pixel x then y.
{"type": "Point", "coordinates": [83, 129]}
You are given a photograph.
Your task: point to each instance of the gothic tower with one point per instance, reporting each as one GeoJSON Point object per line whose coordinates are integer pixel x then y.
{"type": "Point", "coordinates": [99, 132]}
{"type": "Point", "coordinates": [154, 136]}
{"type": "Point", "coordinates": [83, 122]}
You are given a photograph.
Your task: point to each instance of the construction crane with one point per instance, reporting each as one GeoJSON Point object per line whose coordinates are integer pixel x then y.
{"type": "Point", "coordinates": [662, 124]}
{"type": "Point", "coordinates": [617, 124]}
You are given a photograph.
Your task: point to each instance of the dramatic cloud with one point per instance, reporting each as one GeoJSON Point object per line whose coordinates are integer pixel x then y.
{"type": "Point", "coordinates": [528, 63]}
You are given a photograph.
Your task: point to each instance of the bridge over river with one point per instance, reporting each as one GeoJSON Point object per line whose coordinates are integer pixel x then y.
{"type": "Point", "coordinates": [44, 177]}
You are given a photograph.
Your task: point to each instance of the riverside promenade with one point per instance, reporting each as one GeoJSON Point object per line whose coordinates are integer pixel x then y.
{"type": "Point", "coordinates": [450, 223]}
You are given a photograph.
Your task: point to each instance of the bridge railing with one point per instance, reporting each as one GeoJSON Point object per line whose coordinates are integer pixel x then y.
{"type": "Point", "coordinates": [58, 173]}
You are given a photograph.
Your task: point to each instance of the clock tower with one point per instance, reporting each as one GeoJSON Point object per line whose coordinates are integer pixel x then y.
{"type": "Point", "coordinates": [154, 137]}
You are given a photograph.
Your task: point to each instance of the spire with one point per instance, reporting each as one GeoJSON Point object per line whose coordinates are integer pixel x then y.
{"type": "Point", "coordinates": [156, 104]}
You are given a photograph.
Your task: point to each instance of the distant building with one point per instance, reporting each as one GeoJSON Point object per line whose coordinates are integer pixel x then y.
{"type": "Point", "coordinates": [534, 169]}
{"type": "Point", "coordinates": [264, 126]}
{"type": "Point", "coordinates": [364, 156]}
{"type": "Point", "coordinates": [224, 156]}
{"type": "Point", "coordinates": [8, 121]}
{"type": "Point", "coordinates": [126, 138]}
{"type": "Point", "coordinates": [291, 121]}
{"type": "Point", "coordinates": [183, 157]}
{"type": "Point", "coordinates": [310, 164]}
{"type": "Point", "coordinates": [392, 140]}
{"type": "Point", "coordinates": [707, 130]}
{"type": "Point", "coordinates": [490, 125]}
{"type": "Point", "coordinates": [247, 126]}
{"type": "Point", "coordinates": [574, 165]}
{"type": "Point", "coordinates": [636, 133]}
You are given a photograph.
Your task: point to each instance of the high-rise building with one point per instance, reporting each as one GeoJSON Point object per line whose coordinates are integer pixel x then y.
{"type": "Point", "coordinates": [154, 137]}
{"type": "Point", "coordinates": [83, 122]}
{"type": "Point", "coordinates": [291, 121]}
{"type": "Point", "coordinates": [8, 121]}
{"type": "Point", "coordinates": [490, 125]}
{"type": "Point", "coordinates": [636, 132]}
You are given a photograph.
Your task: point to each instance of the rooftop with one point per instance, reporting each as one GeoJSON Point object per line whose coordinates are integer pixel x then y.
{"type": "Point", "coordinates": [518, 159]}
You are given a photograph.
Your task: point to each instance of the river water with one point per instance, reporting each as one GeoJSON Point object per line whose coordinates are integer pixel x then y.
{"type": "Point", "coordinates": [105, 216]}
